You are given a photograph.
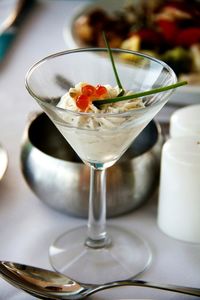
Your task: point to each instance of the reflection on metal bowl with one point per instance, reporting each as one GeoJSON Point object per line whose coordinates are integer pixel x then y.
{"type": "Point", "coordinates": [60, 179]}
{"type": "Point", "coordinates": [3, 161]}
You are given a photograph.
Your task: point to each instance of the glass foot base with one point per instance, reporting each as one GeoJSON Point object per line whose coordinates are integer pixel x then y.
{"type": "Point", "coordinates": [126, 256]}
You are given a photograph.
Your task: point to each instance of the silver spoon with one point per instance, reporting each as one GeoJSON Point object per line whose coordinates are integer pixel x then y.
{"type": "Point", "coordinates": [52, 285]}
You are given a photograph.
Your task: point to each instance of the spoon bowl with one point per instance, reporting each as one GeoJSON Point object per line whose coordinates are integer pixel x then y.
{"type": "Point", "coordinates": [53, 285]}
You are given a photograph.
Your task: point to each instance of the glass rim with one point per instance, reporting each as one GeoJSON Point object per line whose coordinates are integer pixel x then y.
{"type": "Point", "coordinates": [99, 114]}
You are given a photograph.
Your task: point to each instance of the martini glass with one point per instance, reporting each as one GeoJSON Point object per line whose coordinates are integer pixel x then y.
{"type": "Point", "coordinates": [98, 253]}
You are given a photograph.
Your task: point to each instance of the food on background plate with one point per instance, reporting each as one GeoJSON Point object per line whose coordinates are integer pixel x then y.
{"type": "Point", "coordinates": [168, 30]}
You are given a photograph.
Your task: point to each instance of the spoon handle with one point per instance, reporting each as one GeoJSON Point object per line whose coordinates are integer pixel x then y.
{"type": "Point", "coordinates": [167, 287]}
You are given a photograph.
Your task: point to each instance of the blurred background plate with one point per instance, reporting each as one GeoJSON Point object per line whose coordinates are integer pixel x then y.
{"type": "Point", "coordinates": [70, 36]}
{"type": "Point", "coordinates": [76, 27]}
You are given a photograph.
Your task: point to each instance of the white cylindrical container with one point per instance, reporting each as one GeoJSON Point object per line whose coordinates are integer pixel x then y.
{"type": "Point", "coordinates": [185, 121]}
{"type": "Point", "coordinates": [179, 195]}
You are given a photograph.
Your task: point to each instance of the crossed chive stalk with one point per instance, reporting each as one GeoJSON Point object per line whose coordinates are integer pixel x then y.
{"type": "Point", "coordinates": [121, 96]}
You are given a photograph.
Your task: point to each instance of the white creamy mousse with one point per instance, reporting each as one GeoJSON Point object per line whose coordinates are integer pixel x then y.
{"type": "Point", "coordinates": [96, 137]}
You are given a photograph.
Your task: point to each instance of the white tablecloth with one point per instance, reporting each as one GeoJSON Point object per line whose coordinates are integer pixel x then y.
{"type": "Point", "coordinates": [27, 226]}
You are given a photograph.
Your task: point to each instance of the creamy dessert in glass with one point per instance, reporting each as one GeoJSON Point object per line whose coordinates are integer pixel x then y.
{"type": "Point", "coordinates": [98, 141]}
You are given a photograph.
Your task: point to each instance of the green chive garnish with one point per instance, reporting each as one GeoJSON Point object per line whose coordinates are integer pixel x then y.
{"type": "Point", "coordinates": [120, 97]}
{"type": "Point", "coordinates": [114, 67]}
{"type": "Point", "coordinates": [139, 94]}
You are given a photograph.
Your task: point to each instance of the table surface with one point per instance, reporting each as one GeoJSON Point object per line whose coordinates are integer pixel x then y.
{"type": "Point", "coordinates": [27, 226]}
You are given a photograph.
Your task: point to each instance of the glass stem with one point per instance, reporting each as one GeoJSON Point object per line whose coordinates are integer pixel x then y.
{"type": "Point", "coordinates": [97, 235]}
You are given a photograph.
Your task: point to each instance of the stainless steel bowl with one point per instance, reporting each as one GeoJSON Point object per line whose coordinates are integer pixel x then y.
{"type": "Point", "coordinates": [58, 177]}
